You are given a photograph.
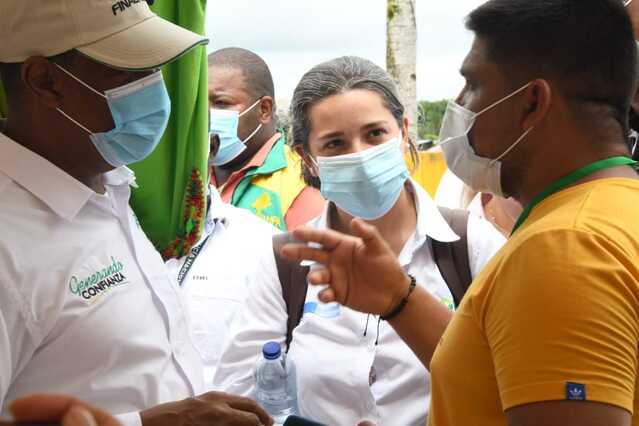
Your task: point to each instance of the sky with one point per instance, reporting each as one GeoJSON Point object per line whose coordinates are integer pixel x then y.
{"type": "Point", "coordinates": [292, 36]}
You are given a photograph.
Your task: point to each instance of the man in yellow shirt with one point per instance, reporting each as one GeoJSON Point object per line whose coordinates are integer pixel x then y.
{"type": "Point", "coordinates": [548, 334]}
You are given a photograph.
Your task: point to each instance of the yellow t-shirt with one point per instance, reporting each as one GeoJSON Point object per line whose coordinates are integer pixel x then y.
{"type": "Point", "coordinates": [554, 316]}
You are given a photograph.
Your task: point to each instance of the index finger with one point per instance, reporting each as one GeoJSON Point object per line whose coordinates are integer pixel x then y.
{"type": "Point", "coordinates": [301, 252]}
{"type": "Point", "coordinates": [327, 238]}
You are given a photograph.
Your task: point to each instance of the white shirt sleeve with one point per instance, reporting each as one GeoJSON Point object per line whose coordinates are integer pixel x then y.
{"type": "Point", "coordinates": [484, 240]}
{"type": "Point", "coordinates": [261, 319]}
{"type": "Point", "coordinates": [129, 419]}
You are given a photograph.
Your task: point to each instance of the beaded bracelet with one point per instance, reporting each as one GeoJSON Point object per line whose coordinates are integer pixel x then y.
{"type": "Point", "coordinates": [403, 303]}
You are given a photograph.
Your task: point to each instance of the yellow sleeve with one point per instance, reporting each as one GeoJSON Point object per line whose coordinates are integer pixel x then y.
{"type": "Point", "coordinates": [562, 321]}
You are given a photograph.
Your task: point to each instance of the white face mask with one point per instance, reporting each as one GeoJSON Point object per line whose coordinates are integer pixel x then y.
{"type": "Point", "coordinates": [481, 174]}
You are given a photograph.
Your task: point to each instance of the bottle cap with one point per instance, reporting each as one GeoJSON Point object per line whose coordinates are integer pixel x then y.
{"type": "Point", "coordinates": [271, 350]}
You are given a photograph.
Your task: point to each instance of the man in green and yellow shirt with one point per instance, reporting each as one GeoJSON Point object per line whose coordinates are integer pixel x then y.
{"type": "Point", "coordinates": [254, 168]}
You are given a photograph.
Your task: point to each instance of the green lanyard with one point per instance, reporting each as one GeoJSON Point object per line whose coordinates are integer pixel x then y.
{"type": "Point", "coordinates": [568, 180]}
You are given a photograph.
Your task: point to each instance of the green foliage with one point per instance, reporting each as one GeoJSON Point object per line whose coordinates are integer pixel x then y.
{"type": "Point", "coordinates": [429, 120]}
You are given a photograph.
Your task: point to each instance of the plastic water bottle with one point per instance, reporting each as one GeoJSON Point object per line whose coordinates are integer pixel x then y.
{"type": "Point", "coordinates": [275, 380]}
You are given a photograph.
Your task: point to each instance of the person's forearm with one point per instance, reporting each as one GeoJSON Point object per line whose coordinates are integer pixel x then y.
{"type": "Point", "coordinates": [422, 323]}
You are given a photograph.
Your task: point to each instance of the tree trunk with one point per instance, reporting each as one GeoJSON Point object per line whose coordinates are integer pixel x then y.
{"type": "Point", "coordinates": [401, 55]}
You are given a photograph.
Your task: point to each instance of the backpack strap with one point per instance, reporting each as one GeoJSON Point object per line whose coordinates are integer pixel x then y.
{"type": "Point", "coordinates": [452, 258]}
{"type": "Point", "coordinates": [294, 285]}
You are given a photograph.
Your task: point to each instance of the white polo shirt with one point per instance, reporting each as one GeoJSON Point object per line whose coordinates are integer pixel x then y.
{"type": "Point", "coordinates": [87, 307]}
{"type": "Point", "coordinates": [343, 377]}
{"type": "Point", "coordinates": [217, 282]}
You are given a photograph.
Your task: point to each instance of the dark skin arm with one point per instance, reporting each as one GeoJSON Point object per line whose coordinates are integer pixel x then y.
{"type": "Point", "coordinates": [212, 408]}
{"type": "Point", "coordinates": [568, 413]}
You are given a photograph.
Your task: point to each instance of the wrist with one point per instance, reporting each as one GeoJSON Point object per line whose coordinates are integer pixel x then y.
{"type": "Point", "coordinates": [399, 293]}
{"type": "Point", "coordinates": [401, 298]}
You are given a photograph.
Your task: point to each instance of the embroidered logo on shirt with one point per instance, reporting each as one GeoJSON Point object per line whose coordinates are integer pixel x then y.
{"type": "Point", "coordinates": [324, 310]}
{"type": "Point", "coordinates": [575, 391]}
{"type": "Point", "coordinates": [261, 205]}
{"type": "Point", "coordinates": [98, 283]}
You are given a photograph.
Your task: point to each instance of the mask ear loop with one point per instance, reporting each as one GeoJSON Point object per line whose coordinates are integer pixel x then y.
{"type": "Point", "coordinates": [456, 106]}
{"type": "Point", "coordinates": [250, 108]}
{"type": "Point", "coordinates": [80, 81]}
{"type": "Point", "coordinates": [315, 169]}
{"type": "Point", "coordinates": [252, 134]}
{"type": "Point", "coordinates": [258, 127]}
{"type": "Point", "coordinates": [74, 121]}
{"type": "Point", "coordinates": [68, 117]}
{"type": "Point", "coordinates": [494, 104]}
{"type": "Point", "coordinates": [513, 146]}
{"type": "Point", "coordinates": [504, 99]}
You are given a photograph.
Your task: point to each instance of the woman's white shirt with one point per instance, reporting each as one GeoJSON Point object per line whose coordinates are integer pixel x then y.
{"type": "Point", "coordinates": [343, 375]}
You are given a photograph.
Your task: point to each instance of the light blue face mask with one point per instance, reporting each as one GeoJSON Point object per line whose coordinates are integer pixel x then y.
{"type": "Point", "coordinates": [224, 124]}
{"type": "Point", "coordinates": [365, 184]}
{"type": "Point", "coordinates": [140, 113]}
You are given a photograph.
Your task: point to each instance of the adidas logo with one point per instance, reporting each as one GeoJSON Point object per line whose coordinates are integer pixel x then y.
{"type": "Point", "coordinates": [575, 391]}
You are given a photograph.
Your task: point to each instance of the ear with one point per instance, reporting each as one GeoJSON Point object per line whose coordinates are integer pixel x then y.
{"type": "Point", "coordinates": [265, 110]}
{"type": "Point", "coordinates": [42, 79]}
{"type": "Point", "coordinates": [308, 163]}
{"type": "Point", "coordinates": [405, 133]}
{"type": "Point", "coordinates": [539, 96]}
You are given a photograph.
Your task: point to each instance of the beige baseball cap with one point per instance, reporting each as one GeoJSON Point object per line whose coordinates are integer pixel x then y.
{"type": "Point", "coordinates": [123, 34]}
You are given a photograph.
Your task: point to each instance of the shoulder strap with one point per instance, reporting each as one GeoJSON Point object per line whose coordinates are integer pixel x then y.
{"type": "Point", "coordinates": [452, 258]}
{"type": "Point", "coordinates": [294, 285]}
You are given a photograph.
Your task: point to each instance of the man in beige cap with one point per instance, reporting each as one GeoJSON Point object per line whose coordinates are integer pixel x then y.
{"type": "Point", "coordinates": [86, 305]}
